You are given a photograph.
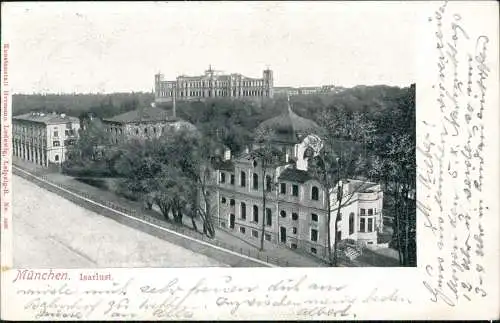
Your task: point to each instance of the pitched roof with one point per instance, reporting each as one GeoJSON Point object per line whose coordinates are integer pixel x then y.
{"type": "Point", "coordinates": [295, 175]}
{"type": "Point", "coordinates": [223, 165]}
{"type": "Point", "coordinates": [141, 115]}
{"type": "Point", "coordinates": [288, 127]}
{"type": "Point", "coordinates": [46, 118]}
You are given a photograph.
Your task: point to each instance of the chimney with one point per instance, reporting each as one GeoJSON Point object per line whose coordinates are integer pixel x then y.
{"type": "Point", "coordinates": [287, 157]}
{"type": "Point", "coordinates": [63, 115]}
{"type": "Point", "coordinates": [247, 150]}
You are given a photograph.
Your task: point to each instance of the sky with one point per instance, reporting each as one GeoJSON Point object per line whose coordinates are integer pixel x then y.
{"type": "Point", "coordinates": [69, 47]}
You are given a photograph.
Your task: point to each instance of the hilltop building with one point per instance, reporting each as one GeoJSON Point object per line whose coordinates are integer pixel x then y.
{"type": "Point", "coordinates": [213, 84]}
{"type": "Point", "coordinates": [296, 207]}
{"type": "Point", "coordinates": [306, 90]}
{"type": "Point", "coordinates": [43, 138]}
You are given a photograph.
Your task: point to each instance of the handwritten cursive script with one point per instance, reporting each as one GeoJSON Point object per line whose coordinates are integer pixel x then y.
{"type": "Point", "coordinates": [455, 161]}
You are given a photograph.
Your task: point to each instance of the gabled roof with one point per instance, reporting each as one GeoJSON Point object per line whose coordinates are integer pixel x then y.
{"type": "Point", "coordinates": [46, 118]}
{"type": "Point", "coordinates": [142, 115]}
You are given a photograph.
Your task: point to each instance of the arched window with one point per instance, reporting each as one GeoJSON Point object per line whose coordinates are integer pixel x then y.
{"type": "Point", "coordinates": [315, 193]}
{"type": "Point", "coordinates": [269, 220]}
{"type": "Point", "coordinates": [268, 183]}
{"type": "Point", "coordinates": [351, 223]}
{"type": "Point", "coordinates": [243, 211]}
{"type": "Point", "coordinates": [243, 179]}
{"type": "Point", "coordinates": [255, 214]}
{"type": "Point", "coordinates": [255, 181]}
{"type": "Point", "coordinates": [283, 213]}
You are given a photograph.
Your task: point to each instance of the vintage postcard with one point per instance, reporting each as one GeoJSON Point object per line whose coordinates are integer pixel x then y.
{"type": "Point", "coordinates": [250, 160]}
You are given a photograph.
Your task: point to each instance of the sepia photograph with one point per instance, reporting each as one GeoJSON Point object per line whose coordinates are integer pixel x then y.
{"type": "Point", "coordinates": [150, 149]}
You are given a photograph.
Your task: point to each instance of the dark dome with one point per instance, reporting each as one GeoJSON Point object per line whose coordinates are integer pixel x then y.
{"type": "Point", "coordinates": [288, 127]}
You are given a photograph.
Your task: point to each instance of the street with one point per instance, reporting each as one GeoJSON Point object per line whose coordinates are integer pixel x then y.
{"type": "Point", "coordinates": [52, 232]}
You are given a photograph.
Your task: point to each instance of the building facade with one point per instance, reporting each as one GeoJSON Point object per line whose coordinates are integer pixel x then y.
{"type": "Point", "coordinates": [307, 90]}
{"type": "Point", "coordinates": [296, 203]}
{"type": "Point", "coordinates": [43, 138]}
{"type": "Point", "coordinates": [213, 84]}
{"type": "Point", "coordinates": [143, 123]}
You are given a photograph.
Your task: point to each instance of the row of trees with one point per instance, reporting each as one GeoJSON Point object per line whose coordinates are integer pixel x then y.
{"type": "Point", "coordinates": [171, 172]}
{"type": "Point", "coordinates": [102, 105]}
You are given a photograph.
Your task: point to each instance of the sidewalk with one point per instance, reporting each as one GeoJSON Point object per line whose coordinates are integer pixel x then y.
{"type": "Point", "coordinates": [273, 254]}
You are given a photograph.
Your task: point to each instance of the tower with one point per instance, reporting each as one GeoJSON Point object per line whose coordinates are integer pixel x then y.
{"type": "Point", "coordinates": [268, 82]}
{"type": "Point", "coordinates": [158, 80]}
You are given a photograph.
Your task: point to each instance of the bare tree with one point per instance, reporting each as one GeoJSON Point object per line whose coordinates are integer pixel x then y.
{"type": "Point", "coordinates": [266, 154]}
{"type": "Point", "coordinates": [336, 162]}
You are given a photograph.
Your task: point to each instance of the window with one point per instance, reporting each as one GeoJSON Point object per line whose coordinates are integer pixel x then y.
{"type": "Point", "coordinates": [283, 188]}
{"type": "Point", "coordinates": [255, 233]}
{"type": "Point", "coordinates": [56, 133]}
{"type": "Point", "coordinates": [370, 225]}
{"type": "Point", "coordinates": [362, 224]}
{"type": "Point", "coordinates": [362, 212]}
{"type": "Point", "coordinates": [295, 190]}
{"type": "Point", "coordinates": [267, 236]}
{"type": "Point", "coordinates": [66, 132]}
{"type": "Point", "coordinates": [283, 214]}
{"type": "Point", "coordinates": [293, 246]}
{"type": "Point", "coordinates": [314, 193]}
{"type": "Point", "coordinates": [255, 181]}
{"type": "Point", "coordinates": [351, 223]}
{"type": "Point", "coordinates": [314, 217]}
{"type": "Point", "coordinates": [136, 131]}
{"type": "Point", "coordinates": [255, 213]}
{"type": "Point", "coordinates": [223, 200]}
{"type": "Point", "coordinates": [154, 130]}
{"type": "Point", "coordinates": [294, 230]}
{"type": "Point", "coordinates": [56, 143]}
{"type": "Point", "coordinates": [243, 179]}
{"type": "Point", "coordinates": [254, 163]}
{"type": "Point", "coordinates": [56, 157]}
{"type": "Point", "coordinates": [232, 179]}
{"type": "Point", "coordinates": [243, 211]}
{"type": "Point", "coordinates": [295, 216]}
{"type": "Point", "coordinates": [145, 131]}
{"type": "Point", "coordinates": [268, 183]}
{"type": "Point", "coordinates": [269, 216]}
{"type": "Point", "coordinates": [231, 202]}
{"type": "Point", "coordinates": [242, 230]}
{"type": "Point", "coordinates": [313, 250]}
{"type": "Point", "coordinates": [314, 235]}
{"type": "Point", "coordinates": [222, 177]}
{"type": "Point", "coordinates": [370, 211]}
